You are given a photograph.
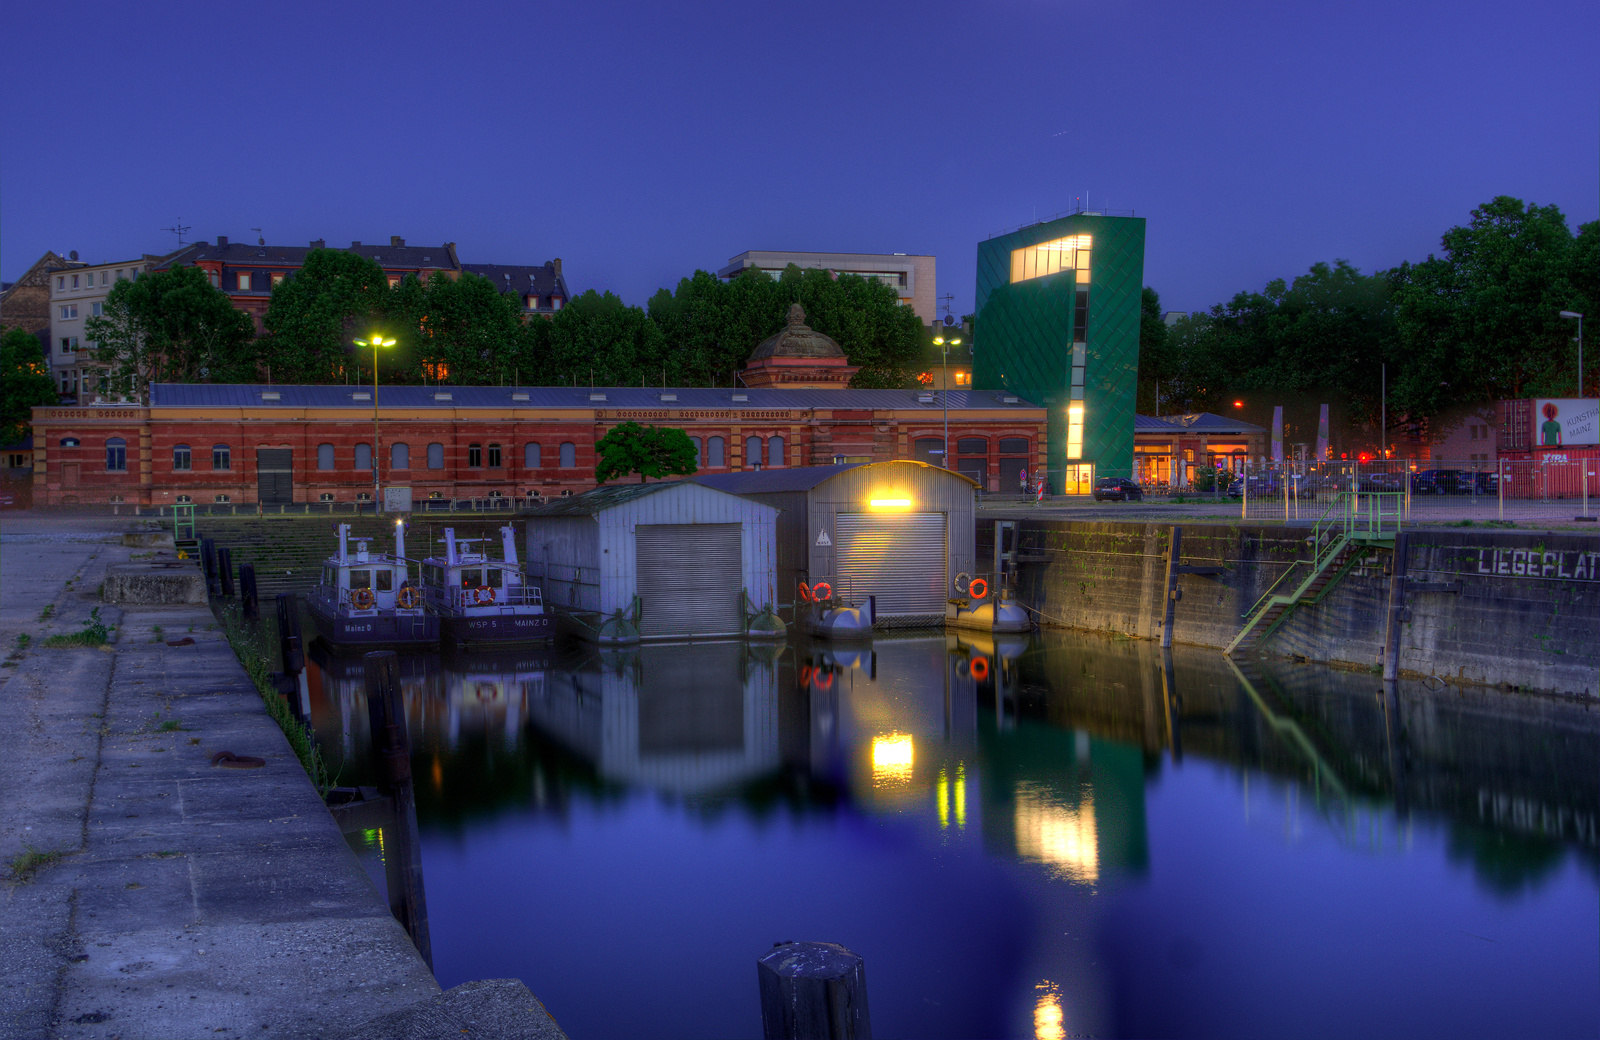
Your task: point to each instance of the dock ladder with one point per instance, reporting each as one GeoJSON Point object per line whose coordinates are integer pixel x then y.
{"type": "Point", "coordinates": [1352, 523]}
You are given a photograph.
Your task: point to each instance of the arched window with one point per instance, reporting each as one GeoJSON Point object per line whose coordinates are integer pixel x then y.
{"type": "Point", "coordinates": [929, 450]}
{"type": "Point", "coordinates": [752, 452]}
{"type": "Point", "coordinates": [363, 456]}
{"type": "Point", "coordinates": [569, 455]}
{"type": "Point", "coordinates": [972, 446]}
{"type": "Point", "coordinates": [697, 446]}
{"type": "Point", "coordinates": [1013, 445]}
{"type": "Point", "coordinates": [399, 456]}
{"type": "Point", "coordinates": [116, 455]}
{"type": "Point", "coordinates": [324, 456]}
{"type": "Point", "coordinates": [774, 451]}
{"type": "Point", "coordinates": [494, 456]}
{"type": "Point", "coordinates": [436, 456]}
{"type": "Point", "coordinates": [69, 442]}
{"type": "Point", "coordinates": [475, 455]}
{"type": "Point", "coordinates": [715, 453]}
{"type": "Point", "coordinates": [181, 457]}
{"type": "Point", "coordinates": [221, 456]}
{"type": "Point", "coordinates": [530, 456]}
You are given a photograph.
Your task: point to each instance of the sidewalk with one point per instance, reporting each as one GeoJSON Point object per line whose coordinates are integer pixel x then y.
{"type": "Point", "coordinates": [176, 899]}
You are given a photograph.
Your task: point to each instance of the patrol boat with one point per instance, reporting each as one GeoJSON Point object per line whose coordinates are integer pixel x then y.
{"type": "Point", "coordinates": [367, 599]}
{"type": "Point", "coordinates": [482, 601]}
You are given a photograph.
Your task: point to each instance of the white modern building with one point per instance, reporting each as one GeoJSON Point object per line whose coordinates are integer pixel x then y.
{"type": "Point", "coordinates": [911, 276]}
{"type": "Point", "coordinates": [77, 295]}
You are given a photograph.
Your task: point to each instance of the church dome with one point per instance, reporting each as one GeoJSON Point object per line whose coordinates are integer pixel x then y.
{"type": "Point", "coordinates": [797, 340]}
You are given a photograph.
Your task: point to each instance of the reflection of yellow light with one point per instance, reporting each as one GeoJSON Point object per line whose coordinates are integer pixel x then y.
{"type": "Point", "coordinates": [891, 503]}
{"type": "Point", "coordinates": [941, 792]}
{"type": "Point", "coordinates": [1048, 1021]}
{"type": "Point", "coordinates": [1059, 835]}
{"type": "Point", "coordinates": [961, 796]}
{"type": "Point", "coordinates": [891, 759]}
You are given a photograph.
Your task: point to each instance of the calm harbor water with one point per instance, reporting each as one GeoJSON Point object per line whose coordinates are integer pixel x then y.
{"type": "Point", "coordinates": [1068, 835]}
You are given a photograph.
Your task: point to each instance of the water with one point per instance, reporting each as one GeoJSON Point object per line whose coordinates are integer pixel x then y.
{"type": "Point", "coordinates": [1047, 838]}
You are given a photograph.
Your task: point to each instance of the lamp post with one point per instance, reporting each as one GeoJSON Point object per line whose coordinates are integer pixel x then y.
{"type": "Point", "coordinates": [944, 346]}
{"type": "Point", "coordinates": [375, 340]}
{"type": "Point", "coordinates": [1575, 314]}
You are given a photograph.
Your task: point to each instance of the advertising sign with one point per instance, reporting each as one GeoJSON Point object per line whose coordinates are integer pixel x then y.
{"type": "Point", "coordinates": [1561, 422]}
{"type": "Point", "coordinates": [397, 500]}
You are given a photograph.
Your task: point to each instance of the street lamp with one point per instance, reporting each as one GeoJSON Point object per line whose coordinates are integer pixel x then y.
{"type": "Point", "coordinates": [1575, 314]}
{"type": "Point", "coordinates": [375, 341]}
{"type": "Point", "coordinates": [944, 346]}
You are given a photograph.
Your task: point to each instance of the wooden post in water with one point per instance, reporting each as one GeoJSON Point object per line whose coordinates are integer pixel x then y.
{"type": "Point", "coordinates": [293, 655]}
{"type": "Point", "coordinates": [813, 991]}
{"type": "Point", "coordinates": [225, 565]}
{"type": "Point", "coordinates": [208, 564]}
{"type": "Point", "coordinates": [1397, 607]}
{"type": "Point", "coordinates": [1174, 550]}
{"type": "Point", "coordinates": [1170, 701]}
{"type": "Point", "coordinates": [392, 747]}
{"type": "Point", "coordinates": [247, 592]}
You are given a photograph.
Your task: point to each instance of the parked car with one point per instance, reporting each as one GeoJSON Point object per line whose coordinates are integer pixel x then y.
{"type": "Point", "coordinates": [1441, 482]}
{"type": "Point", "coordinates": [1379, 482]}
{"type": "Point", "coordinates": [1486, 483]}
{"type": "Point", "coordinates": [1119, 489]}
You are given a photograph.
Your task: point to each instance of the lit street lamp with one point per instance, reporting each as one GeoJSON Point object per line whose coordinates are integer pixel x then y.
{"type": "Point", "coordinates": [1575, 314]}
{"type": "Point", "coordinates": [944, 346]}
{"type": "Point", "coordinates": [375, 340]}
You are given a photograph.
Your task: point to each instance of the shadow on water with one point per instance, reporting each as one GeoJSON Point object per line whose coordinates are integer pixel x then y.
{"type": "Point", "coordinates": [1006, 828]}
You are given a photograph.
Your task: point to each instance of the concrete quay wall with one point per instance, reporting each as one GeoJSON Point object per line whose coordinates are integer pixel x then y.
{"type": "Point", "coordinates": [1491, 607]}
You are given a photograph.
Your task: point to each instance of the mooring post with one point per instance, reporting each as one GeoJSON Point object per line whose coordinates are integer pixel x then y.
{"type": "Point", "coordinates": [1174, 550]}
{"type": "Point", "coordinates": [225, 566]}
{"type": "Point", "coordinates": [1397, 607]}
{"type": "Point", "coordinates": [208, 563]}
{"type": "Point", "coordinates": [813, 991]}
{"type": "Point", "coordinates": [391, 746]}
{"type": "Point", "coordinates": [247, 592]}
{"type": "Point", "coordinates": [293, 655]}
{"type": "Point", "coordinates": [1169, 698]}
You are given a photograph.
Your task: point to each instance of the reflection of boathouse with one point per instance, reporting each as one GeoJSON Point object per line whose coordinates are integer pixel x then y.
{"type": "Point", "coordinates": [900, 531]}
{"type": "Point", "coordinates": [683, 719]}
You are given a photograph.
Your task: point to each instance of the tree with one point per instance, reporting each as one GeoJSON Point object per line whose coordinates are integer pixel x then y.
{"type": "Point", "coordinates": [598, 339]}
{"type": "Point", "coordinates": [465, 329]}
{"type": "Point", "coordinates": [24, 382]}
{"type": "Point", "coordinates": [312, 317]}
{"type": "Point", "coordinates": [650, 451]}
{"type": "Point", "coordinates": [170, 326]}
{"type": "Point", "coordinates": [1157, 363]}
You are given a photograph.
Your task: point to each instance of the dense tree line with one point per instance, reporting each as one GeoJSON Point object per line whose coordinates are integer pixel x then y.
{"type": "Point", "coordinates": [1477, 322]}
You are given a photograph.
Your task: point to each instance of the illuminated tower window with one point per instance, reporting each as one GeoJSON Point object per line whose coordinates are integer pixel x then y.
{"type": "Point", "coordinates": [1047, 258]}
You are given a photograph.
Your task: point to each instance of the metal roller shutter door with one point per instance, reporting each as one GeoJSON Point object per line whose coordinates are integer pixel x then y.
{"type": "Point", "coordinates": [691, 577]}
{"type": "Point", "coordinates": [898, 558]}
{"type": "Point", "coordinates": [275, 475]}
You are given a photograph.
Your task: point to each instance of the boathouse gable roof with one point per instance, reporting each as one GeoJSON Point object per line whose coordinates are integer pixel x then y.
{"type": "Point", "coordinates": [611, 496]}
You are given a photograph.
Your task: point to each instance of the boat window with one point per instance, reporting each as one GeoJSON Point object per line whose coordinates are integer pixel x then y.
{"type": "Point", "coordinates": [432, 574]}
{"type": "Point", "coordinates": [361, 579]}
{"type": "Point", "coordinates": [386, 581]}
{"type": "Point", "coordinates": [471, 579]}
{"type": "Point", "coordinates": [493, 574]}
{"type": "Point", "coordinates": [330, 575]}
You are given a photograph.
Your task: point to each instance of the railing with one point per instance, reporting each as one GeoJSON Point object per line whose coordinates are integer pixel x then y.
{"type": "Point", "coordinates": [453, 599]}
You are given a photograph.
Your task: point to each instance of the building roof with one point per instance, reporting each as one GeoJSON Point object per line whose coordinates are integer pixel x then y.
{"type": "Point", "coordinates": [522, 279]}
{"type": "Point", "coordinates": [597, 500]}
{"type": "Point", "coordinates": [395, 256]}
{"type": "Point", "coordinates": [1210, 422]}
{"type": "Point", "coordinates": [798, 340]}
{"type": "Point", "coordinates": [249, 395]}
{"type": "Point", "coordinates": [801, 478]}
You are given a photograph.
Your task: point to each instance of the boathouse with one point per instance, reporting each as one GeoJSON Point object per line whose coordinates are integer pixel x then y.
{"type": "Point", "coordinates": [900, 531]}
{"type": "Point", "coordinates": [672, 560]}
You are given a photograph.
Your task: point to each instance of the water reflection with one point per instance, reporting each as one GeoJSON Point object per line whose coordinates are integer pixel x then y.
{"type": "Point", "coordinates": [977, 815]}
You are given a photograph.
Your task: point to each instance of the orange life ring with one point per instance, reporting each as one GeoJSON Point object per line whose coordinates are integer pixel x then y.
{"type": "Point", "coordinates": [805, 593]}
{"type": "Point", "coordinates": [821, 592]}
{"type": "Point", "coordinates": [408, 597]}
{"type": "Point", "coordinates": [978, 589]}
{"type": "Point", "coordinates": [823, 678]}
{"type": "Point", "coordinates": [483, 594]}
{"type": "Point", "coordinates": [805, 675]}
{"type": "Point", "coordinates": [362, 599]}
{"type": "Point", "coordinates": [980, 668]}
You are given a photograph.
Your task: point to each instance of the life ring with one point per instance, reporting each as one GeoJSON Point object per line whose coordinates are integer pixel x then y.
{"type": "Point", "coordinates": [408, 597]}
{"type": "Point", "coordinates": [823, 678]}
{"type": "Point", "coordinates": [978, 589]}
{"type": "Point", "coordinates": [805, 675]}
{"type": "Point", "coordinates": [980, 668]}
{"type": "Point", "coordinates": [805, 593]}
{"type": "Point", "coordinates": [821, 592]}
{"type": "Point", "coordinates": [362, 599]}
{"type": "Point", "coordinates": [961, 582]}
{"type": "Point", "coordinates": [483, 594]}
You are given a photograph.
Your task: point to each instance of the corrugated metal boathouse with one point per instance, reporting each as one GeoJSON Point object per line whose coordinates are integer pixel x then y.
{"type": "Point", "coordinates": [675, 560]}
{"type": "Point", "coordinates": [900, 531]}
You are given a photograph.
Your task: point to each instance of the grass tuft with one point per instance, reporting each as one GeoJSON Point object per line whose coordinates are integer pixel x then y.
{"type": "Point", "coordinates": [25, 864]}
{"type": "Point", "coordinates": [259, 668]}
{"type": "Point", "coordinates": [95, 633]}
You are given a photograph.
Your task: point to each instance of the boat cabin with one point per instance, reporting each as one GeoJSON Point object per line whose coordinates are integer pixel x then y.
{"type": "Point", "coordinates": [369, 582]}
{"type": "Point", "coordinates": [466, 583]}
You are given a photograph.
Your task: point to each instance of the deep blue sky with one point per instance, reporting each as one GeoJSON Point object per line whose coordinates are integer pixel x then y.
{"type": "Point", "coordinates": [641, 141]}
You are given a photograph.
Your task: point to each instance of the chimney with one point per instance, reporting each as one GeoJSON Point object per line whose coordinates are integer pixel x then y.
{"type": "Point", "coordinates": [396, 241]}
{"type": "Point", "coordinates": [222, 241]}
{"type": "Point", "coordinates": [319, 243]}
{"type": "Point", "coordinates": [355, 245]}
{"type": "Point", "coordinates": [556, 263]}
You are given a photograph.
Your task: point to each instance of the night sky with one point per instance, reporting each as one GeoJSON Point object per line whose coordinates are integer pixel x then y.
{"type": "Point", "coordinates": [641, 141]}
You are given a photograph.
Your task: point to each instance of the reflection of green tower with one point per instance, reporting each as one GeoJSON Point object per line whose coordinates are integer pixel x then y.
{"type": "Point", "coordinates": [1058, 324]}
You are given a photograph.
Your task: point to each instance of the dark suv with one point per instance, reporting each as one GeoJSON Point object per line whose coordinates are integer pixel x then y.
{"type": "Point", "coordinates": [1119, 489]}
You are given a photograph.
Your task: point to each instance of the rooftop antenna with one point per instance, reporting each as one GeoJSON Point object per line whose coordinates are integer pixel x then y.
{"type": "Point", "coordinates": [261, 239]}
{"type": "Point", "coordinates": [947, 298]}
{"type": "Point", "coordinates": [178, 228]}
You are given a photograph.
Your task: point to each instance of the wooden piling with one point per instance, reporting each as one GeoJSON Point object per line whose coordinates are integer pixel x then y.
{"type": "Point", "coordinates": [247, 592]}
{"type": "Point", "coordinates": [391, 746]}
{"type": "Point", "coordinates": [225, 569]}
{"type": "Point", "coordinates": [1398, 613]}
{"type": "Point", "coordinates": [1174, 551]}
{"type": "Point", "coordinates": [208, 564]}
{"type": "Point", "coordinates": [813, 990]}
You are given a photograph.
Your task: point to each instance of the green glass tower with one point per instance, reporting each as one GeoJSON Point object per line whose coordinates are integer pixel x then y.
{"type": "Point", "coordinates": [1058, 325]}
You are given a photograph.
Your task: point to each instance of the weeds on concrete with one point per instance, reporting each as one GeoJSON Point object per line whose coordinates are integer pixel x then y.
{"type": "Point", "coordinates": [49, 609]}
{"type": "Point", "coordinates": [171, 725]}
{"type": "Point", "coordinates": [30, 861]}
{"type": "Point", "coordinates": [24, 640]}
{"type": "Point", "coordinates": [259, 668]}
{"type": "Point", "coordinates": [155, 634]}
{"type": "Point", "coordinates": [95, 633]}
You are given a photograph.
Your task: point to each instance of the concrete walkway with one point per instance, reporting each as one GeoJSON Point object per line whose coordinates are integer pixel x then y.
{"type": "Point", "coordinates": [177, 899]}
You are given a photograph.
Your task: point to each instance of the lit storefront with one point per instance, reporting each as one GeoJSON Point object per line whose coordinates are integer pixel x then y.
{"type": "Point", "coordinates": [1169, 450]}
